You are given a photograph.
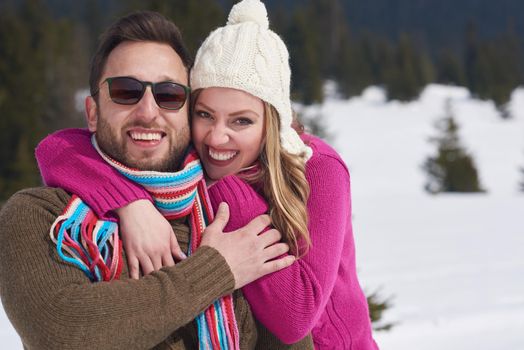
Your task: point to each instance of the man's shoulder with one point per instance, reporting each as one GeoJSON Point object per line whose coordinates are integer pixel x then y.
{"type": "Point", "coordinates": [52, 199]}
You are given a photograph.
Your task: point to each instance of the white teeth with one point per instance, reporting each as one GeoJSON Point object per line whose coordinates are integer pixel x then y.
{"type": "Point", "coordinates": [222, 155]}
{"type": "Point", "coordinates": [145, 136]}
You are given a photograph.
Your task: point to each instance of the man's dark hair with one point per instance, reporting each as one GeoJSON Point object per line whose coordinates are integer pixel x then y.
{"type": "Point", "coordinates": [137, 26]}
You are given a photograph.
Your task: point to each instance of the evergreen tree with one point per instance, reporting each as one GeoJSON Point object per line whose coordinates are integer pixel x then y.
{"type": "Point", "coordinates": [314, 123]}
{"type": "Point", "coordinates": [377, 306]}
{"type": "Point", "coordinates": [424, 69]}
{"type": "Point", "coordinates": [307, 79]}
{"type": "Point", "coordinates": [39, 76]}
{"type": "Point", "coordinates": [23, 169]}
{"type": "Point", "coordinates": [452, 169]}
{"type": "Point", "coordinates": [195, 19]}
{"type": "Point", "coordinates": [380, 54]}
{"type": "Point", "coordinates": [450, 69]}
{"type": "Point", "coordinates": [505, 57]}
{"type": "Point", "coordinates": [355, 69]}
{"type": "Point", "coordinates": [23, 90]}
{"type": "Point", "coordinates": [279, 19]}
{"type": "Point", "coordinates": [493, 68]}
{"type": "Point", "coordinates": [93, 24]}
{"type": "Point", "coordinates": [522, 182]}
{"type": "Point", "coordinates": [521, 185]}
{"type": "Point", "coordinates": [409, 72]}
{"type": "Point", "coordinates": [327, 17]}
{"type": "Point", "coordinates": [471, 53]}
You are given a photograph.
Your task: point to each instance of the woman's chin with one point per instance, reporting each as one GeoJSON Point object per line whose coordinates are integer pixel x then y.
{"type": "Point", "coordinates": [215, 173]}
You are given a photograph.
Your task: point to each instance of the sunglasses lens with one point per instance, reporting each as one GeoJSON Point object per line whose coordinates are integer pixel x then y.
{"type": "Point", "coordinates": [125, 91]}
{"type": "Point", "coordinates": [170, 95]}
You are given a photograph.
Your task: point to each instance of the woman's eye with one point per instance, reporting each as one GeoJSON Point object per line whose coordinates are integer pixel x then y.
{"type": "Point", "coordinates": [203, 114]}
{"type": "Point", "coordinates": [243, 121]}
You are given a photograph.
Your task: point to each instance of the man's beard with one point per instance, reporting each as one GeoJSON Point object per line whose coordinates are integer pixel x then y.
{"type": "Point", "coordinates": [116, 147]}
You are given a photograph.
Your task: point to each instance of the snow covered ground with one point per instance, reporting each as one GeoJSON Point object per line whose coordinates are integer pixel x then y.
{"type": "Point", "coordinates": [453, 264]}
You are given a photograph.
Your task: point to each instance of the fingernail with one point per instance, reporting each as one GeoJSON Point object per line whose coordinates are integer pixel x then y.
{"type": "Point", "coordinates": [184, 256]}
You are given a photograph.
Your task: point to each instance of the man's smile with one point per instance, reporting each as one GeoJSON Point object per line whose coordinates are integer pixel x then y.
{"type": "Point", "coordinates": [146, 138]}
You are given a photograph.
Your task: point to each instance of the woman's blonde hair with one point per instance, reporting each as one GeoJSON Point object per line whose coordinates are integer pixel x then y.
{"type": "Point", "coordinates": [283, 180]}
{"type": "Point", "coordinates": [284, 185]}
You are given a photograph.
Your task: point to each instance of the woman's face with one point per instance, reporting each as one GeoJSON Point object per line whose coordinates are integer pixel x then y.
{"type": "Point", "coordinates": [228, 129]}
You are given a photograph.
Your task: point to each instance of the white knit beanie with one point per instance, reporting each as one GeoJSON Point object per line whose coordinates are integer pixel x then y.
{"type": "Point", "coordinates": [246, 55]}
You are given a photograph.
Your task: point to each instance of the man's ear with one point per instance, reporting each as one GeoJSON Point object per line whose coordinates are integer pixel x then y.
{"type": "Point", "coordinates": [91, 110]}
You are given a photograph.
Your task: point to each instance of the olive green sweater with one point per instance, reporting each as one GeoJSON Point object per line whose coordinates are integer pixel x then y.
{"type": "Point", "coordinates": [53, 305]}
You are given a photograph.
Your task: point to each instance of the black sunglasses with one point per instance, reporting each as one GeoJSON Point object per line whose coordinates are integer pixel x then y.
{"type": "Point", "coordinates": [129, 91]}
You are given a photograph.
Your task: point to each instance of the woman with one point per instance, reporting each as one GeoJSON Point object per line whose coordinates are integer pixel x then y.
{"type": "Point", "coordinates": [241, 125]}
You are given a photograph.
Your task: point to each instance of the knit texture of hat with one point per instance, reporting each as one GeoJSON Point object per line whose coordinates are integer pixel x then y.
{"type": "Point", "coordinates": [246, 55]}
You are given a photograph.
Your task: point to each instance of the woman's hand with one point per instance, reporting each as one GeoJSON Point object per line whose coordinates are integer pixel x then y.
{"type": "Point", "coordinates": [148, 238]}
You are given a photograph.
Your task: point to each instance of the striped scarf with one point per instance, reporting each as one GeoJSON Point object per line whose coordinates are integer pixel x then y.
{"type": "Point", "coordinates": [94, 245]}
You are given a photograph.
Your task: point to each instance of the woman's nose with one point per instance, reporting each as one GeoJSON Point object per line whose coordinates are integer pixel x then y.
{"type": "Point", "coordinates": [218, 135]}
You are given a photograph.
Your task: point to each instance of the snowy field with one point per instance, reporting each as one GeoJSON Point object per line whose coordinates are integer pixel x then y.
{"type": "Point", "coordinates": [453, 264]}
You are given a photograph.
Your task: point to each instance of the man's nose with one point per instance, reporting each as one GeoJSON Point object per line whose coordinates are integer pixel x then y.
{"type": "Point", "coordinates": [147, 108]}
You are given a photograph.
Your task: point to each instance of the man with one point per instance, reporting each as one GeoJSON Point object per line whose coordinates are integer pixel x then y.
{"type": "Point", "coordinates": [51, 303]}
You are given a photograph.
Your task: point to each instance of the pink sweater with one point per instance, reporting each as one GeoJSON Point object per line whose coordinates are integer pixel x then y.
{"type": "Point", "coordinates": [320, 293]}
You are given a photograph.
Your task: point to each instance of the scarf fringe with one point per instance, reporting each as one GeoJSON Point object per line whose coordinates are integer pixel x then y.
{"type": "Point", "coordinates": [92, 245]}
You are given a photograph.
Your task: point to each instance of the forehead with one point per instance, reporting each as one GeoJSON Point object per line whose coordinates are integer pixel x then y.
{"type": "Point", "coordinates": [149, 61]}
{"type": "Point", "coordinates": [230, 99]}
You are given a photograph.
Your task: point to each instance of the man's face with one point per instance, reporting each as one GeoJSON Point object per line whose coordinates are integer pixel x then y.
{"type": "Point", "coordinates": [143, 135]}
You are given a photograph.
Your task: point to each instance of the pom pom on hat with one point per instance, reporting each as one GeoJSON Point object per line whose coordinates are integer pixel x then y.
{"type": "Point", "coordinates": [249, 11]}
